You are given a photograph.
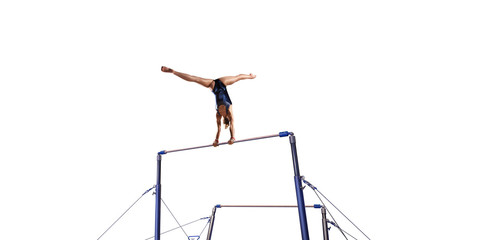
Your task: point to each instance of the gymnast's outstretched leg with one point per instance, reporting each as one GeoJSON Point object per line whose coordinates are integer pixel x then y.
{"type": "Point", "coordinates": [208, 83]}
{"type": "Point", "coordinates": [229, 80]}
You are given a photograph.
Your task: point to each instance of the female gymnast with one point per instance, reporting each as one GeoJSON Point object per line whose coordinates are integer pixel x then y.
{"type": "Point", "coordinates": [219, 88]}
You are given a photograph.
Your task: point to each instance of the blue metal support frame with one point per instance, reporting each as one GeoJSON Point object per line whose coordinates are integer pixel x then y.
{"type": "Point", "coordinates": [324, 224]}
{"type": "Point", "coordinates": [298, 184]}
{"type": "Point", "coordinates": [302, 214]}
{"type": "Point", "coordinates": [158, 197]}
{"type": "Point", "coordinates": [212, 221]}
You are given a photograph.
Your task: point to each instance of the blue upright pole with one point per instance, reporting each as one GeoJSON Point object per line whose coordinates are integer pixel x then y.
{"type": "Point", "coordinates": [298, 187]}
{"type": "Point", "coordinates": [212, 221]}
{"type": "Point", "coordinates": [158, 197]}
{"type": "Point", "coordinates": [324, 223]}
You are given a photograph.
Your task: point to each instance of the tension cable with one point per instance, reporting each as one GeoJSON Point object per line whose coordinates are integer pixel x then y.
{"type": "Point", "coordinates": [125, 212]}
{"type": "Point", "coordinates": [184, 226]}
{"type": "Point", "coordinates": [179, 225]}
{"type": "Point", "coordinates": [315, 189]}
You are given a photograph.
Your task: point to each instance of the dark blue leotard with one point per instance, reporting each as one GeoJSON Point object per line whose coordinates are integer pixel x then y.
{"type": "Point", "coordinates": [221, 94]}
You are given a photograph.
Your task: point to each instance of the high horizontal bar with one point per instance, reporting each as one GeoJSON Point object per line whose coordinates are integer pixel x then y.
{"type": "Point", "coordinates": [280, 134]}
{"type": "Point", "coordinates": [266, 206]}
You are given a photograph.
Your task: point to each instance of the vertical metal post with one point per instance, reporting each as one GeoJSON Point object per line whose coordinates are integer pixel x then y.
{"type": "Point", "coordinates": [298, 187]}
{"type": "Point", "coordinates": [158, 197]}
{"type": "Point", "coordinates": [324, 223]}
{"type": "Point", "coordinates": [212, 221]}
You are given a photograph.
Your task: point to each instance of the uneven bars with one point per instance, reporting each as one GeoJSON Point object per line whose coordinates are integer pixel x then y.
{"type": "Point", "coordinates": [280, 134]}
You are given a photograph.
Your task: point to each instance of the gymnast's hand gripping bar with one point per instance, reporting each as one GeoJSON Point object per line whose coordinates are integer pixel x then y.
{"type": "Point", "coordinates": [280, 134]}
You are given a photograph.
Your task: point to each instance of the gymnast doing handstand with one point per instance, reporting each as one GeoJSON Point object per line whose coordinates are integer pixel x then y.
{"type": "Point", "coordinates": [224, 104]}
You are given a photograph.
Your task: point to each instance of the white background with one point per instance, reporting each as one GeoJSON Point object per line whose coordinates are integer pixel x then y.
{"type": "Point", "coordinates": [382, 96]}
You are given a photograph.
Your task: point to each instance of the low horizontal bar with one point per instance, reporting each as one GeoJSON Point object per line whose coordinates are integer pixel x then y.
{"type": "Point", "coordinates": [281, 134]}
{"type": "Point", "coordinates": [266, 206]}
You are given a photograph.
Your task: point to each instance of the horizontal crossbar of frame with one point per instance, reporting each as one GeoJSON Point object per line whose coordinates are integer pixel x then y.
{"type": "Point", "coordinates": [281, 134]}
{"type": "Point", "coordinates": [266, 206]}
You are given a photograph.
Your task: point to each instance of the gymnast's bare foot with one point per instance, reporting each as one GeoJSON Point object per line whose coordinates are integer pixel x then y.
{"type": "Point", "coordinates": [252, 76]}
{"type": "Point", "coordinates": [167, 70]}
